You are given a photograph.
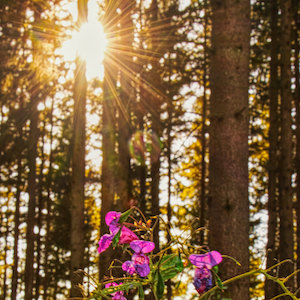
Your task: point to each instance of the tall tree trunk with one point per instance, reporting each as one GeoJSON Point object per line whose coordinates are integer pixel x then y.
{"type": "Point", "coordinates": [5, 250]}
{"type": "Point", "coordinates": [286, 244]}
{"type": "Point", "coordinates": [228, 204]}
{"type": "Point", "coordinates": [78, 167]}
{"type": "Point", "coordinates": [14, 284]}
{"type": "Point", "coordinates": [108, 186]}
{"type": "Point", "coordinates": [127, 95]}
{"type": "Point", "coordinates": [40, 207]}
{"type": "Point", "coordinates": [31, 219]}
{"type": "Point", "coordinates": [169, 206]}
{"type": "Point", "coordinates": [48, 208]}
{"type": "Point", "coordinates": [297, 104]}
{"type": "Point", "coordinates": [272, 247]}
{"type": "Point", "coordinates": [156, 130]}
{"type": "Point", "coordinates": [155, 176]}
{"type": "Point", "coordinates": [203, 185]}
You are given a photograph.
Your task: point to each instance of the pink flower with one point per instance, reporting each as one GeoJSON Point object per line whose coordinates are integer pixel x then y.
{"type": "Point", "coordinates": [203, 275]}
{"type": "Point", "coordinates": [209, 259]}
{"type": "Point", "coordinates": [139, 263]}
{"type": "Point", "coordinates": [112, 221]}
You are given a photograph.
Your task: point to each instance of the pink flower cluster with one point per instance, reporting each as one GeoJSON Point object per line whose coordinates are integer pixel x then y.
{"type": "Point", "coordinates": [139, 263]}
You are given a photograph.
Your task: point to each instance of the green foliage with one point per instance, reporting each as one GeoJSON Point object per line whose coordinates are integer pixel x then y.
{"type": "Point", "coordinates": [169, 266]}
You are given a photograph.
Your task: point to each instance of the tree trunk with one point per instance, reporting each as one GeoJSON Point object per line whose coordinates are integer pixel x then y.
{"type": "Point", "coordinates": [78, 167]}
{"type": "Point", "coordinates": [297, 104]}
{"type": "Point", "coordinates": [48, 208]}
{"type": "Point", "coordinates": [228, 204]}
{"type": "Point", "coordinates": [31, 220]}
{"type": "Point", "coordinates": [5, 250]}
{"type": "Point", "coordinates": [40, 218]}
{"type": "Point", "coordinates": [272, 247]}
{"type": "Point", "coordinates": [203, 185]}
{"type": "Point", "coordinates": [127, 95]}
{"type": "Point", "coordinates": [286, 244]}
{"type": "Point", "coordinates": [108, 186]}
{"type": "Point", "coordinates": [14, 284]}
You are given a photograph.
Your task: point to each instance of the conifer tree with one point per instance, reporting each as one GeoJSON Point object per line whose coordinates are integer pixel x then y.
{"type": "Point", "coordinates": [228, 204]}
{"type": "Point", "coordinates": [286, 244]}
{"type": "Point", "coordinates": [78, 166]}
{"type": "Point", "coordinates": [270, 288]}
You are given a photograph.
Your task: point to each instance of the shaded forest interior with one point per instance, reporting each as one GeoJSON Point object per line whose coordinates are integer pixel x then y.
{"type": "Point", "coordinates": [192, 116]}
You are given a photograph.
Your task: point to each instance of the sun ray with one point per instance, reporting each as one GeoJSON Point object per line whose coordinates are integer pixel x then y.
{"type": "Point", "coordinates": [89, 42]}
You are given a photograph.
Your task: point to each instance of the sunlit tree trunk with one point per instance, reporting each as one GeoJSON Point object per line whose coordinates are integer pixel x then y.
{"type": "Point", "coordinates": [228, 203]}
{"type": "Point", "coordinates": [286, 245]}
{"type": "Point", "coordinates": [78, 167]}
{"type": "Point", "coordinates": [127, 96]}
{"type": "Point", "coordinates": [272, 247]}
{"type": "Point", "coordinates": [109, 158]}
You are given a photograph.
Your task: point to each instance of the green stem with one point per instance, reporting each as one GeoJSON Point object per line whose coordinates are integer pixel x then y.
{"type": "Point", "coordinates": [279, 281]}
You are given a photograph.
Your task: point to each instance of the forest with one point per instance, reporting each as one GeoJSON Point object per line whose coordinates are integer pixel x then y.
{"type": "Point", "coordinates": [167, 128]}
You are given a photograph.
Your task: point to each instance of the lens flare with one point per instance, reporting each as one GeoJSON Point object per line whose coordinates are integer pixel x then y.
{"type": "Point", "coordinates": [143, 143]}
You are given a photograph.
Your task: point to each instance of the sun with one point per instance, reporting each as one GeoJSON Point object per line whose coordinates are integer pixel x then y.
{"type": "Point", "coordinates": [89, 43]}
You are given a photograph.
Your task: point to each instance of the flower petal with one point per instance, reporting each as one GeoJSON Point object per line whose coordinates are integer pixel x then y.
{"type": "Point", "coordinates": [142, 246]}
{"type": "Point", "coordinates": [202, 280]}
{"type": "Point", "coordinates": [111, 284]}
{"type": "Point", "coordinates": [112, 218]}
{"type": "Point", "coordinates": [128, 266]}
{"type": "Point", "coordinates": [127, 236]}
{"type": "Point", "coordinates": [142, 270]}
{"type": "Point", "coordinates": [209, 259]}
{"type": "Point", "coordinates": [140, 259]}
{"type": "Point", "coordinates": [105, 242]}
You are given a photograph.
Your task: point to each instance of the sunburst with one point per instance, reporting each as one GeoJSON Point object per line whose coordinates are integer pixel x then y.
{"type": "Point", "coordinates": [88, 42]}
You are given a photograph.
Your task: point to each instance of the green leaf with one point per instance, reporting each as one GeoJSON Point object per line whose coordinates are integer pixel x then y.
{"type": "Point", "coordinates": [170, 266]}
{"type": "Point", "coordinates": [124, 216]}
{"type": "Point", "coordinates": [116, 239]}
{"type": "Point", "coordinates": [159, 285]}
{"type": "Point", "coordinates": [141, 293]}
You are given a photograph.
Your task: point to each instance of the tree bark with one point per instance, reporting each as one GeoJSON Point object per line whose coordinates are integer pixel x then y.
{"type": "Point", "coordinates": [297, 104]}
{"type": "Point", "coordinates": [108, 185]}
{"type": "Point", "coordinates": [286, 244]}
{"type": "Point", "coordinates": [272, 245]}
{"type": "Point", "coordinates": [14, 284]}
{"type": "Point", "coordinates": [78, 167]}
{"type": "Point", "coordinates": [203, 185]}
{"type": "Point", "coordinates": [228, 203]}
{"type": "Point", "coordinates": [127, 95]}
{"type": "Point", "coordinates": [30, 238]}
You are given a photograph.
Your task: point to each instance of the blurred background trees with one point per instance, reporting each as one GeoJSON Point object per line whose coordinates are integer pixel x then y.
{"type": "Point", "coordinates": [192, 117]}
